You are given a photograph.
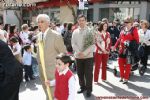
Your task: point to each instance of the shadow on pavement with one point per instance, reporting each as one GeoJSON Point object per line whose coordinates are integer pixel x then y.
{"type": "Point", "coordinates": [90, 98]}
{"type": "Point", "coordinates": [144, 91]}
{"type": "Point", "coordinates": [144, 78]}
{"type": "Point", "coordinates": [30, 85]}
{"type": "Point", "coordinates": [117, 90]}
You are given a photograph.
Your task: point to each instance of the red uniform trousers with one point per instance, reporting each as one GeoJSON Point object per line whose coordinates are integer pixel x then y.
{"type": "Point", "coordinates": [124, 68]}
{"type": "Point", "coordinates": [100, 60]}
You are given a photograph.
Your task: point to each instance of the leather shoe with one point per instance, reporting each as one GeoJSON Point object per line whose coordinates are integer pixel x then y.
{"type": "Point", "coordinates": [125, 82]}
{"type": "Point", "coordinates": [80, 91]}
{"type": "Point", "coordinates": [88, 94]}
{"type": "Point", "coordinates": [121, 80]}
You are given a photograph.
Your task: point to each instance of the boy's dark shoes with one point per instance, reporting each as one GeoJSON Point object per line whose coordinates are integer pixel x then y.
{"type": "Point", "coordinates": [88, 94]}
{"type": "Point", "coordinates": [81, 91]}
{"type": "Point", "coordinates": [26, 80]}
{"type": "Point", "coordinates": [32, 78]}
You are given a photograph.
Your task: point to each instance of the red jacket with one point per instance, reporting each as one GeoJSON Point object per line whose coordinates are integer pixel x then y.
{"type": "Point", "coordinates": [131, 35]}
{"type": "Point", "coordinates": [62, 83]}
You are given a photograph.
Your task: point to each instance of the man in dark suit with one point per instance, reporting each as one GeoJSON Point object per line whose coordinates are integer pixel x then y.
{"type": "Point", "coordinates": [10, 74]}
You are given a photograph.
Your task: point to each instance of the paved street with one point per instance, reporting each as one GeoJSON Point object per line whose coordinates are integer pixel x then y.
{"type": "Point", "coordinates": [138, 86]}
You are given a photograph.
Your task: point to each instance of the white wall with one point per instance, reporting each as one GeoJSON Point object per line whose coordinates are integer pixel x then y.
{"type": "Point", "coordinates": [96, 12]}
{"type": "Point", "coordinates": [10, 18]}
{"type": "Point", "coordinates": [143, 10]}
{"type": "Point", "coordinates": [66, 14]}
{"type": "Point", "coordinates": [148, 11]}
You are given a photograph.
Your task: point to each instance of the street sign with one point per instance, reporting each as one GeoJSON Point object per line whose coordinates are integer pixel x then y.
{"type": "Point", "coordinates": [83, 4]}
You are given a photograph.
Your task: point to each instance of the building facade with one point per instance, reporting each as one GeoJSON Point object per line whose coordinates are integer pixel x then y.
{"type": "Point", "coordinates": [60, 11]}
{"type": "Point", "coordinates": [1, 12]}
{"type": "Point", "coordinates": [97, 9]}
{"type": "Point", "coordinates": [139, 10]}
{"type": "Point", "coordinates": [11, 10]}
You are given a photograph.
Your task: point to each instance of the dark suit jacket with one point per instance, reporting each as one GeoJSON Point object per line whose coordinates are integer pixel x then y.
{"type": "Point", "coordinates": [10, 73]}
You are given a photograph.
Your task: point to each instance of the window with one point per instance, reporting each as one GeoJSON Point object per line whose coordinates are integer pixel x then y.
{"type": "Point", "coordinates": [55, 16]}
{"type": "Point", "coordinates": [25, 13]}
{"type": "Point", "coordinates": [119, 13]}
{"type": "Point", "coordinates": [90, 15]}
{"type": "Point", "coordinates": [1, 19]}
{"type": "Point", "coordinates": [103, 13]}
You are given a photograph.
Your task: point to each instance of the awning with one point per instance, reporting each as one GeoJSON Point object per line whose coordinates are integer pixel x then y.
{"type": "Point", "coordinates": [58, 3]}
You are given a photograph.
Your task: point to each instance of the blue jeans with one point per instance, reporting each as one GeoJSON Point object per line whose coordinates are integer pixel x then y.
{"type": "Point", "coordinates": [35, 70]}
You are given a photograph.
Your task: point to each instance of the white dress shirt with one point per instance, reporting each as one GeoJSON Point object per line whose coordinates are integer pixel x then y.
{"type": "Point", "coordinates": [17, 49]}
{"type": "Point", "coordinates": [72, 85]}
{"type": "Point", "coordinates": [43, 35]}
{"type": "Point", "coordinates": [27, 58]}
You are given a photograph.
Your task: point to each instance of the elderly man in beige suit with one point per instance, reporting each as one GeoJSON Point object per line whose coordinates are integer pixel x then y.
{"type": "Point", "coordinates": [53, 45]}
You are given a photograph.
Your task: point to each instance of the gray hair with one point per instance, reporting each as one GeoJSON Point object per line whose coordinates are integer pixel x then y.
{"type": "Point", "coordinates": [45, 16]}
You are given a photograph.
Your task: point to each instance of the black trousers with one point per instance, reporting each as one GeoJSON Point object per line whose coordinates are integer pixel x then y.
{"type": "Point", "coordinates": [28, 72]}
{"type": "Point", "coordinates": [144, 59]}
{"type": "Point", "coordinates": [10, 92]}
{"type": "Point", "coordinates": [85, 73]}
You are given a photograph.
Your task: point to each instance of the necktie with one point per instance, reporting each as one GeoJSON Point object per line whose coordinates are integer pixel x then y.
{"type": "Point", "coordinates": [42, 36]}
{"type": "Point", "coordinates": [42, 39]}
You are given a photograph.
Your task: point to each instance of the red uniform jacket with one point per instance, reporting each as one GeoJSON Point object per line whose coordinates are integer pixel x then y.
{"type": "Point", "coordinates": [126, 36]}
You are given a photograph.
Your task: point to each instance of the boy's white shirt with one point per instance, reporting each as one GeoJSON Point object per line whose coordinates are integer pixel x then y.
{"type": "Point", "coordinates": [72, 85]}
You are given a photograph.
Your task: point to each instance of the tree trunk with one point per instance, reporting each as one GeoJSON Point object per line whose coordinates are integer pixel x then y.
{"type": "Point", "coordinates": [19, 17]}
{"type": "Point", "coordinates": [72, 9]}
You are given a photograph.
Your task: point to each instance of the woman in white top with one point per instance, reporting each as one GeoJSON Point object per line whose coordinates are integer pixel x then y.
{"type": "Point", "coordinates": [144, 36]}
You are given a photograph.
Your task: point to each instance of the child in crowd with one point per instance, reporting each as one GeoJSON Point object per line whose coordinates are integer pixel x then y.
{"type": "Point", "coordinates": [27, 62]}
{"type": "Point", "coordinates": [64, 82]}
{"type": "Point", "coordinates": [34, 58]}
{"type": "Point", "coordinates": [16, 48]}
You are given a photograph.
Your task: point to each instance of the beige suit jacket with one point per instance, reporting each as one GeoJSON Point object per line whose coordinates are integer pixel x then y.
{"type": "Point", "coordinates": [53, 45]}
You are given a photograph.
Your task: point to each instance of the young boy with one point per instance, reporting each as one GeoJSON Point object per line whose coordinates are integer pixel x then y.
{"type": "Point", "coordinates": [64, 82]}
{"type": "Point", "coordinates": [27, 62]}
